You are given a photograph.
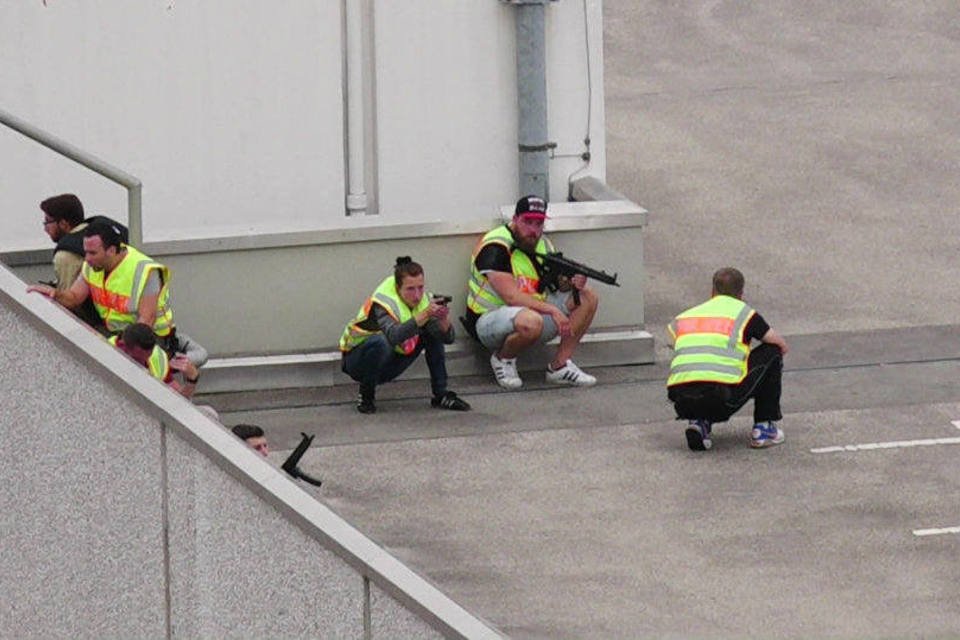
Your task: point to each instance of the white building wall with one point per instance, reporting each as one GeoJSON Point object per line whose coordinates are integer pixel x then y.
{"type": "Point", "coordinates": [232, 112]}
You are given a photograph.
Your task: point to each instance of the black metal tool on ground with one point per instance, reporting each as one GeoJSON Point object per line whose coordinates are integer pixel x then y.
{"type": "Point", "coordinates": [290, 464]}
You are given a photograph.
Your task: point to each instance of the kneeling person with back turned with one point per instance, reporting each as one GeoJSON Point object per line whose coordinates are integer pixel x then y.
{"type": "Point", "coordinates": [393, 326]}
{"type": "Point", "coordinates": [714, 371]}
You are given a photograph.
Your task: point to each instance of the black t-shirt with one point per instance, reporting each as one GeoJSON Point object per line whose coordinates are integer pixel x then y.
{"type": "Point", "coordinates": [755, 329]}
{"type": "Point", "coordinates": [493, 257]}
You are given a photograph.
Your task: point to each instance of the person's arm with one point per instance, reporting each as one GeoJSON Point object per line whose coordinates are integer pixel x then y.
{"type": "Point", "coordinates": [70, 298]}
{"type": "Point", "coordinates": [147, 306]}
{"type": "Point", "coordinates": [758, 329]}
{"type": "Point", "coordinates": [774, 338]}
{"type": "Point", "coordinates": [440, 325]}
{"type": "Point", "coordinates": [394, 332]}
{"type": "Point", "coordinates": [188, 372]}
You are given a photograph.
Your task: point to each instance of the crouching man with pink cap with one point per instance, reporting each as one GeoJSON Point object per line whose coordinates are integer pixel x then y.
{"type": "Point", "coordinates": [510, 308]}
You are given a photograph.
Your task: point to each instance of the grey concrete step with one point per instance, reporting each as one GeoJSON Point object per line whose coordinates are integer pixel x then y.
{"type": "Point", "coordinates": [602, 347]}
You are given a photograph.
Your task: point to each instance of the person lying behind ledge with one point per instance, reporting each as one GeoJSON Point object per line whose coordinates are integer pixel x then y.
{"type": "Point", "coordinates": [254, 436]}
{"type": "Point", "coordinates": [140, 343]}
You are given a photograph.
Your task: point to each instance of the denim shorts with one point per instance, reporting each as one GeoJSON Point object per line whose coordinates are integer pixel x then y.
{"type": "Point", "coordinates": [493, 327]}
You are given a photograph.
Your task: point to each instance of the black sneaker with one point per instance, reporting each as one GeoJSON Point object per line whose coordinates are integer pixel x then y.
{"type": "Point", "coordinates": [365, 403]}
{"type": "Point", "coordinates": [698, 435]}
{"type": "Point", "coordinates": [450, 401]}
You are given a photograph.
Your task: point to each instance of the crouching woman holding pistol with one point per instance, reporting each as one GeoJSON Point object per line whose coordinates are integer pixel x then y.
{"type": "Point", "coordinates": [393, 326]}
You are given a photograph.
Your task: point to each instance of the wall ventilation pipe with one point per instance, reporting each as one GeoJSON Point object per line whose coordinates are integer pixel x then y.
{"type": "Point", "coordinates": [532, 98]}
{"type": "Point", "coordinates": [356, 191]}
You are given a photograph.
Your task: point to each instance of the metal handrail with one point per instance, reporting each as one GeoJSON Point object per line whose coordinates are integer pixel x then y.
{"type": "Point", "coordinates": [132, 184]}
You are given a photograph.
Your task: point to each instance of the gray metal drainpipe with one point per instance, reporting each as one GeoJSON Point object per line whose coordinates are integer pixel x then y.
{"type": "Point", "coordinates": [532, 98]}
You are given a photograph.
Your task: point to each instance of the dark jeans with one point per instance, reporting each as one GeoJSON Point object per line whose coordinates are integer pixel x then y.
{"type": "Point", "coordinates": [717, 402]}
{"type": "Point", "coordinates": [375, 362]}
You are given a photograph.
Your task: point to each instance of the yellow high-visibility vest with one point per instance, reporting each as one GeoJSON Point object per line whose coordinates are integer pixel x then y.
{"type": "Point", "coordinates": [386, 296]}
{"type": "Point", "coordinates": [117, 298]}
{"type": "Point", "coordinates": [481, 296]}
{"type": "Point", "coordinates": [709, 344]}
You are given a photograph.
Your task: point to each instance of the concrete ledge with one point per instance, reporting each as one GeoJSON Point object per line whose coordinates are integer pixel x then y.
{"type": "Point", "coordinates": [603, 347]}
{"type": "Point", "coordinates": [293, 293]}
{"type": "Point", "coordinates": [615, 212]}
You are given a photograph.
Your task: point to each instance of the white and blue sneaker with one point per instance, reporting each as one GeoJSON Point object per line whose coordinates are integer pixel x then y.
{"type": "Point", "coordinates": [766, 434]}
{"type": "Point", "coordinates": [698, 435]}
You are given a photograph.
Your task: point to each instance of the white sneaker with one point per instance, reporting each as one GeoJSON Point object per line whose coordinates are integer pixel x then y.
{"type": "Point", "coordinates": [506, 372]}
{"type": "Point", "coordinates": [571, 374]}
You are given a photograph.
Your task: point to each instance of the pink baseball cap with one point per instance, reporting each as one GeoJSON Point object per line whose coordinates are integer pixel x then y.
{"type": "Point", "coordinates": [531, 206]}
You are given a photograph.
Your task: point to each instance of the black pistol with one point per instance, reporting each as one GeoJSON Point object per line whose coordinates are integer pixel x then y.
{"type": "Point", "coordinates": [290, 464]}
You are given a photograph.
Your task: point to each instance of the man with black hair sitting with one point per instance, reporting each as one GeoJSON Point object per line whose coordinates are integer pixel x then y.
{"type": "Point", "coordinates": [64, 223]}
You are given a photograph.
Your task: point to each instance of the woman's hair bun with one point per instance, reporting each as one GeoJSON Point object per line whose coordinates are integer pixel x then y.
{"type": "Point", "coordinates": [402, 260]}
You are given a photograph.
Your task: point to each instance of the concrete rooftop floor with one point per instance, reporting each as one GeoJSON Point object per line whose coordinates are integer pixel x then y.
{"type": "Point", "coordinates": [815, 146]}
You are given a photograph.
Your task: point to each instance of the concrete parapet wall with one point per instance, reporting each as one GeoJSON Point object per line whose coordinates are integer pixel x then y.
{"type": "Point", "coordinates": [128, 513]}
{"type": "Point", "coordinates": [81, 509]}
{"type": "Point", "coordinates": [288, 297]}
{"type": "Point", "coordinates": [294, 293]}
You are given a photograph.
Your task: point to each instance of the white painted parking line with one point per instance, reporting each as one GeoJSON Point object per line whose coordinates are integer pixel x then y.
{"type": "Point", "coordinates": [956, 423]}
{"type": "Point", "coordinates": [899, 444]}
{"type": "Point", "coordinates": [935, 532]}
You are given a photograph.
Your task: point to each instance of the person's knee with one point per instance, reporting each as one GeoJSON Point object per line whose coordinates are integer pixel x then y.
{"type": "Point", "coordinates": [432, 348]}
{"type": "Point", "coordinates": [589, 299]}
{"type": "Point", "coordinates": [770, 354]}
{"type": "Point", "coordinates": [196, 354]}
{"type": "Point", "coordinates": [430, 342]}
{"type": "Point", "coordinates": [528, 324]}
{"type": "Point", "coordinates": [373, 353]}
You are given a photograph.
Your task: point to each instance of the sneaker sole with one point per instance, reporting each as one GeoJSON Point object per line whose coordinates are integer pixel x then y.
{"type": "Point", "coordinates": [570, 383]}
{"type": "Point", "coordinates": [695, 441]}
{"type": "Point", "coordinates": [763, 444]}
{"type": "Point", "coordinates": [437, 406]}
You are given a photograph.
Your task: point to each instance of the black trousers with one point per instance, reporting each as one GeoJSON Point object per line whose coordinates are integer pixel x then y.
{"type": "Point", "coordinates": [374, 362]}
{"type": "Point", "coordinates": [717, 402]}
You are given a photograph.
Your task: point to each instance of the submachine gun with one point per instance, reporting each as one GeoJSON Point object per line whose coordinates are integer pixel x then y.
{"type": "Point", "coordinates": [554, 265]}
{"type": "Point", "coordinates": [290, 464]}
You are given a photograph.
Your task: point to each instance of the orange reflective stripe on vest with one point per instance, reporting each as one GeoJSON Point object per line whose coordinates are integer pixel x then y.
{"type": "Point", "coordinates": [704, 325]}
{"type": "Point", "coordinates": [110, 299]}
{"type": "Point", "coordinates": [709, 344]}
